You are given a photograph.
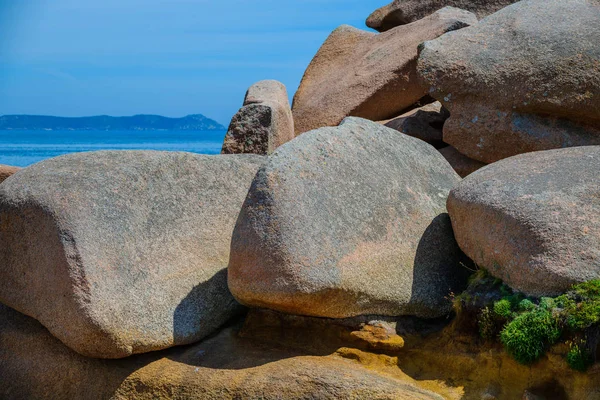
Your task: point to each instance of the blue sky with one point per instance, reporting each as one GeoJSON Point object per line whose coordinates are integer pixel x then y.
{"type": "Point", "coordinates": [168, 57]}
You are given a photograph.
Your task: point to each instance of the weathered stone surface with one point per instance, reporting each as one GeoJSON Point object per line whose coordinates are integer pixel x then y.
{"type": "Point", "coordinates": [348, 221]}
{"type": "Point", "coordinates": [6, 171]}
{"type": "Point", "coordinates": [401, 12]}
{"type": "Point", "coordinates": [425, 123]}
{"type": "Point", "coordinates": [362, 74]}
{"type": "Point", "coordinates": [123, 252]}
{"type": "Point", "coordinates": [526, 78]}
{"type": "Point", "coordinates": [35, 365]}
{"type": "Point", "coordinates": [533, 220]}
{"type": "Point", "coordinates": [462, 164]}
{"type": "Point", "coordinates": [264, 122]}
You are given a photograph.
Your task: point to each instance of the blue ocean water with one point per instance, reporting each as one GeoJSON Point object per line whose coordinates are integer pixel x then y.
{"type": "Point", "coordinates": [23, 148]}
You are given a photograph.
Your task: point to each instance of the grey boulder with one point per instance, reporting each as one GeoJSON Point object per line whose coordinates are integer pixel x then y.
{"type": "Point", "coordinates": [264, 122]}
{"type": "Point", "coordinates": [533, 220]}
{"type": "Point", "coordinates": [348, 221]}
{"type": "Point", "coordinates": [119, 253]}
{"type": "Point", "coordinates": [526, 78]}
{"type": "Point", "coordinates": [401, 12]}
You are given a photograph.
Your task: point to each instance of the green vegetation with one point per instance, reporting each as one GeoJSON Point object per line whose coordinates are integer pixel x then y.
{"type": "Point", "coordinates": [529, 335]}
{"type": "Point", "coordinates": [579, 358]}
{"type": "Point", "coordinates": [503, 308]}
{"type": "Point", "coordinates": [528, 327]}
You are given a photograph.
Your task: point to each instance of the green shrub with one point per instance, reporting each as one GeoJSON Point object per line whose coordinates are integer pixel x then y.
{"type": "Point", "coordinates": [526, 305]}
{"type": "Point", "coordinates": [588, 290]}
{"type": "Point", "coordinates": [547, 303]}
{"type": "Point", "coordinates": [579, 357]}
{"type": "Point", "coordinates": [583, 315]}
{"type": "Point", "coordinates": [503, 308]}
{"type": "Point", "coordinates": [530, 334]}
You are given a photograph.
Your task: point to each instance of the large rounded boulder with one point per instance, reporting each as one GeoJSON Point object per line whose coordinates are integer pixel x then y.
{"type": "Point", "coordinates": [348, 221]}
{"type": "Point", "coordinates": [526, 78]}
{"type": "Point", "coordinates": [123, 252]}
{"type": "Point", "coordinates": [533, 220]}
{"type": "Point", "coordinates": [364, 74]}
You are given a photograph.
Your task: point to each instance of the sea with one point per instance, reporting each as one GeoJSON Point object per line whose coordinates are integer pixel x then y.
{"type": "Point", "coordinates": [23, 148]}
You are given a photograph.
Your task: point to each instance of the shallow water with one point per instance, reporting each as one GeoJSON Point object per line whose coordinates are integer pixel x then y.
{"type": "Point", "coordinates": [23, 148]}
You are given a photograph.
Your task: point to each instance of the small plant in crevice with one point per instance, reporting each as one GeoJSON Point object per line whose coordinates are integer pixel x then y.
{"type": "Point", "coordinates": [527, 327]}
{"type": "Point", "coordinates": [579, 357]}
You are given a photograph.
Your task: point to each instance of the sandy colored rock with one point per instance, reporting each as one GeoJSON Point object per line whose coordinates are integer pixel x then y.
{"type": "Point", "coordinates": [363, 74]}
{"type": "Point", "coordinates": [348, 221]}
{"type": "Point", "coordinates": [6, 171]}
{"type": "Point", "coordinates": [35, 365]}
{"type": "Point", "coordinates": [264, 122]}
{"type": "Point", "coordinates": [533, 220]}
{"type": "Point", "coordinates": [123, 252]}
{"type": "Point", "coordinates": [401, 12]}
{"type": "Point", "coordinates": [462, 164]}
{"type": "Point", "coordinates": [526, 78]}
{"type": "Point", "coordinates": [425, 123]}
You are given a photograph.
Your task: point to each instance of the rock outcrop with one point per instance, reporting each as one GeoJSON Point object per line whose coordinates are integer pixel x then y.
{"type": "Point", "coordinates": [425, 123]}
{"type": "Point", "coordinates": [363, 74]}
{"type": "Point", "coordinates": [526, 78]}
{"type": "Point", "coordinates": [124, 252]}
{"type": "Point", "coordinates": [401, 12]}
{"type": "Point", "coordinates": [348, 221]}
{"type": "Point", "coordinates": [35, 365]}
{"type": "Point", "coordinates": [533, 220]}
{"type": "Point", "coordinates": [462, 164]}
{"type": "Point", "coordinates": [264, 122]}
{"type": "Point", "coordinates": [6, 171]}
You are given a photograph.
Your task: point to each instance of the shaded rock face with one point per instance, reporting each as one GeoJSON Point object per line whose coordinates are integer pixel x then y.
{"type": "Point", "coordinates": [533, 220]}
{"type": "Point", "coordinates": [348, 221]}
{"type": "Point", "coordinates": [425, 123]}
{"type": "Point", "coordinates": [123, 252]}
{"type": "Point", "coordinates": [362, 74]}
{"type": "Point", "coordinates": [526, 78]}
{"type": "Point", "coordinates": [35, 365]}
{"type": "Point", "coordinates": [401, 12]}
{"type": "Point", "coordinates": [462, 164]}
{"type": "Point", "coordinates": [6, 171]}
{"type": "Point", "coordinates": [264, 123]}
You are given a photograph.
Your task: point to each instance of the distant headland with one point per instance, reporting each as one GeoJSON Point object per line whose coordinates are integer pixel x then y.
{"type": "Point", "coordinates": [195, 122]}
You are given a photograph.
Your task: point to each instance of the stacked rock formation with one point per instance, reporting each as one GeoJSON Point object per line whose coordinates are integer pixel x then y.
{"type": "Point", "coordinates": [526, 78]}
{"type": "Point", "coordinates": [362, 74]}
{"type": "Point", "coordinates": [329, 267]}
{"type": "Point", "coordinates": [263, 123]}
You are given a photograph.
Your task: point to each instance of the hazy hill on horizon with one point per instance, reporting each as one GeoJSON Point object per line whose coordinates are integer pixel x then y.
{"type": "Point", "coordinates": [195, 122]}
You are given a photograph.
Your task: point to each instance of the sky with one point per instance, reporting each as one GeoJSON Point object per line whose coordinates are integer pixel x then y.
{"type": "Point", "coordinates": [167, 57]}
